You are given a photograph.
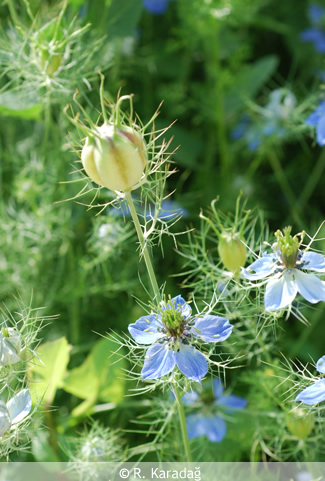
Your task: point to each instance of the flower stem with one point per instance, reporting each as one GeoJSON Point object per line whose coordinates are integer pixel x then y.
{"type": "Point", "coordinates": [182, 421]}
{"type": "Point", "coordinates": [144, 246]}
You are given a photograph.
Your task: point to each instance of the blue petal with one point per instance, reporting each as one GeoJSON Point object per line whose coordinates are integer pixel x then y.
{"type": "Point", "coordinates": [280, 293]}
{"type": "Point", "coordinates": [263, 267]}
{"type": "Point", "coordinates": [190, 397]}
{"type": "Point", "coordinates": [310, 286]}
{"type": "Point", "coordinates": [179, 304]}
{"type": "Point", "coordinates": [312, 394]}
{"type": "Point", "coordinates": [320, 366]}
{"type": "Point", "coordinates": [320, 131]}
{"type": "Point", "coordinates": [232, 402]}
{"type": "Point", "coordinates": [314, 117]}
{"type": "Point", "coordinates": [212, 328]}
{"type": "Point", "coordinates": [191, 362]}
{"type": "Point", "coordinates": [214, 428]}
{"type": "Point", "coordinates": [144, 330]}
{"type": "Point", "coordinates": [157, 7]}
{"type": "Point", "coordinates": [217, 388]}
{"type": "Point", "coordinates": [313, 261]}
{"type": "Point", "coordinates": [316, 12]}
{"type": "Point", "coordinates": [159, 361]}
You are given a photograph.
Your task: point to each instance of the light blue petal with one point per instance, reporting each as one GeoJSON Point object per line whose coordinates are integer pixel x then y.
{"type": "Point", "coordinates": [314, 117]}
{"type": "Point", "coordinates": [313, 261]}
{"type": "Point", "coordinates": [191, 362]}
{"type": "Point", "coordinates": [212, 328]}
{"type": "Point", "coordinates": [179, 304]}
{"type": "Point", "coordinates": [280, 293]}
{"type": "Point", "coordinates": [320, 366]}
{"type": "Point", "coordinates": [156, 7]}
{"type": "Point", "coordinates": [313, 394]}
{"type": "Point", "coordinates": [190, 397]}
{"type": "Point", "coordinates": [310, 286]}
{"type": "Point", "coordinates": [232, 402]}
{"type": "Point", "coordinates": [316, 12]}
{"type": "Point", "coordinates": [217, 388]}
{"type": "Point", "coordinates": [144, 330]}
{"type": "Point", "coordinates": [19, 406]}
{"type": "Point", "coordinates": [263, 267]}
{"type": "Point", "coordinates": [214, 428]}
{"type": "Point", "coordinates": [159, 361]}
{"type": "Point", "coordinates": [320, 131]}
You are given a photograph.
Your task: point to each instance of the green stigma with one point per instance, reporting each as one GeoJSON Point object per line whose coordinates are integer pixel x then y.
{"type": "Point", "coordinates": [288, 246]}
{"type": "Point", "coordinates": [5, 332]}
{"type": "Point", "coordinates": [173, 320]}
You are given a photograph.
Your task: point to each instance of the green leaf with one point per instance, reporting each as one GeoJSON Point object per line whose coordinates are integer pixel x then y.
{"type": "Point", "coordinates": [249, 81]}
{"type": "Point", "coordinates": [47, 375]}
{"type": "Point", "coordinates": [100, 377]}
{"type": "Point", "coordinates": [21, 103]}
{"type": "Point", "coordinates": [42, 449]}
{"type": "Point", "coordinates": [123, 17]}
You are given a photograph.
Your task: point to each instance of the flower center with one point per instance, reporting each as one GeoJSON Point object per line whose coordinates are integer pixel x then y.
{"type": "Point", "coordinates": [5, 332]}
{"type": "Point", "coordinates": [174, 322]}
{"type": "Point", "coordinates": [288, 246]}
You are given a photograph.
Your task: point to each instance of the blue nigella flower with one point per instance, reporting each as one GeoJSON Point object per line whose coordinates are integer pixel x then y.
{"type": "Point", "coordinates": [284, 268]}
{"type": "Point", "coordinates": [317, 118]}
{"type": "Point", "coordinates": [315, 34]}
{"type": "Point", "coordinates": [206, 422]}
{"type": "Point", "coordinates": [171, 334]}
{"type": "Point", "coordinates": [273, 118]}
{"type": "Point", "coordinates": [157, 7]}
{"type": "Point", "coordinates": [315, 393]}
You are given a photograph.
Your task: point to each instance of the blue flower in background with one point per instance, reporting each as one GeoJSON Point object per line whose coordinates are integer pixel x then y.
{"type": "Point", "coordinates": [205, 422]}
{"type": "Point", "coordinates": [169, 210]}
{"type": "Point", "coordinates": [317, 119]}
{"type": "Point", "coordinates": [157, 7]}
{"type": "Point", "coordinates": [315, 393]}
{"type": "Point", "coordinates": [284, 268]}
{"type": "Point", "coordinates": [316, 34]}
{"type": "Point", "coordinates": [171, 333]}
{"type": "Point", "coordinates": [273, 119]}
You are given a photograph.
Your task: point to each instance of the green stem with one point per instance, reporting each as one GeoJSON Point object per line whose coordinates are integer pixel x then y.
{"type": "Point", "coordinates": [182, 421]}
{"type": "Point", "coordinates": [285, 186]}
{"type": "Point", "coordinates": [312, 181]}
{"type": "Point", "coordinates": [12, 10]}
{"type": "Point", "coordinates": [144, 246]}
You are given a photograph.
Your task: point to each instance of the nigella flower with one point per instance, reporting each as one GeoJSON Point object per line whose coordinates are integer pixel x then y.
{"type": "Point", "coordinates": [272, 122]}
{"type": "Point", "coordinates": [315, 393]}
{"type": "Point", "coordinates": [171, 334]}
{"type": "Point", "coordinates": [206, 422]}
{"type": "Point", "coordinates": [315, 34]}
{"type": "Point", "coordinates": [10, 346]}
{"type": "Point", "coordinates": [15, 411]}
{"type": "Point", "coordinates": [285, 269]}
{"type": "Point", "coordinates": [157, 7]}
{"type": "Point", "coordinates": [317, 119]}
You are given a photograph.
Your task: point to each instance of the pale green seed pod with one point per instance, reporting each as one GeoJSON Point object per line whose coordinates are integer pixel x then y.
{"type": "Point", "coordinates": [116, 159]}
{"type": "Point", "coordinates": [300, 423]}
{"type": "Point", "coordinates": [232, 251]}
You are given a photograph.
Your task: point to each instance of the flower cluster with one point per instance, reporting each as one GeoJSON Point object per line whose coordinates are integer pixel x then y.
{"type": "Point", "coordinates": [284, 269]}
{"type": "Point", "coordinates": [316, 392]}
{"type": "Point", "coordinates": [171, 334]}
{"type": "Point", "coordinates": [207, 422]}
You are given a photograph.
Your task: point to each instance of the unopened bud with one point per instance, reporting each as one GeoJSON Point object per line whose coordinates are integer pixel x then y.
{"type": "Point", "coordinates": [300, 424]}
{"type": "Point", "coordinates": [232, 251]}
{"type": "Point", "coordinates": [116, 159]}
